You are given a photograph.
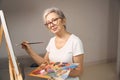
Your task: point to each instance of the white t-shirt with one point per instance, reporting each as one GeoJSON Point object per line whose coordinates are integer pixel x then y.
{"type": "Point", "coordinates": [72, 47]}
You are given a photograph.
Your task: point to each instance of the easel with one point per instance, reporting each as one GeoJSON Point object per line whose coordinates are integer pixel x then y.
{"type": "Point", "coordinates": [14, 68]}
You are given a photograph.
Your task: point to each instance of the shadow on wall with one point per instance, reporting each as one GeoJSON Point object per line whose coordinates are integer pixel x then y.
{"type": "Point", "coordinates": [113, 30]}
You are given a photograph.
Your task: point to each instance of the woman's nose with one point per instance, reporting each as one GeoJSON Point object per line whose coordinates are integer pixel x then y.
{"type": "Point", "coordinates": [52, 24]}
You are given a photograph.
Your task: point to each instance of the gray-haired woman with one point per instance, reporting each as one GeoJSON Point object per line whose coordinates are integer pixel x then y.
{"type": "Point", "coordinates": [63, 47]}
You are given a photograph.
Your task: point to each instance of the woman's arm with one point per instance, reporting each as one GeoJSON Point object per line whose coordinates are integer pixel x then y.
{"type": "Point", "coordinates": [79, 70]}
{"type": "Point", "coordinates": [37, 58]}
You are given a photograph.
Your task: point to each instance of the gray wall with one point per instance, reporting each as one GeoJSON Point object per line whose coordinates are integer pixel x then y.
{"type": "Point", "coordinates": [92, 20]}
{"type": "Point", "coordinates": [118, 55]}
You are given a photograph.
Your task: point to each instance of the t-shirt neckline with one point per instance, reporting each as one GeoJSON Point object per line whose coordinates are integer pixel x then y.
{"type": "Point", "coordinates": [64, 44]}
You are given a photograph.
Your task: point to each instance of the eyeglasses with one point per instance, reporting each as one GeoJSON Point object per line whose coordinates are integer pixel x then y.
{"type": "Point", "coordinates": [54, 21]}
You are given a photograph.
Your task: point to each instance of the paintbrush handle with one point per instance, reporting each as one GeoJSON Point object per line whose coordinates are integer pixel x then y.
{"type": "Point", "coordinates": [35, 42]}
{"type": "Point", "coordinates": [31, 43]}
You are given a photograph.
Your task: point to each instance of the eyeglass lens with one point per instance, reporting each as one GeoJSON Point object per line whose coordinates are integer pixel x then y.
{"type": "Point", "coordinates": [54, 21]}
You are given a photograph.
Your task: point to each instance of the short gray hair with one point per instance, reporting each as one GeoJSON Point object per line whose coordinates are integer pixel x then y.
{"type": "Point", "coordinates": [53, 9]}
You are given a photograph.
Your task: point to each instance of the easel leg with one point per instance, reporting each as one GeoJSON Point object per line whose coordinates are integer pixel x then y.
{"type": "Point", "coordinates": [1, 33]}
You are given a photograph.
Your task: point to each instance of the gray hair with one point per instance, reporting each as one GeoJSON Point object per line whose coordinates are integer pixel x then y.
{"type": "Point", "coordinates": [53, 9]}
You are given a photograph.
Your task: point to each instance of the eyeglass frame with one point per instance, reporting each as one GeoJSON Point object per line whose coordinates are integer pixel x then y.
{"type": "Point", "coordinates": [52, 22]}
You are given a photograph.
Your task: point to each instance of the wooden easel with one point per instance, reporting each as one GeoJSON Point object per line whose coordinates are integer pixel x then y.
{"type": "Point", "coordinates": [14, 68]}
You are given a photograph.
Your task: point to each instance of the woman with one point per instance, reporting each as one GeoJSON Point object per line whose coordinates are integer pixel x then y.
{"type": "Point", "coordinates": [63, 47]}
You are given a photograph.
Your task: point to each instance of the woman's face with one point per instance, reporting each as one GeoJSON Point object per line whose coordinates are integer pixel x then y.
{"type": "Point", "coordinates": [54, 23]}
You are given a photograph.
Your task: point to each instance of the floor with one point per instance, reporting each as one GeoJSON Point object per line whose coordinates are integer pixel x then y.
{"type": "Point", "coordinates": [101, 71]}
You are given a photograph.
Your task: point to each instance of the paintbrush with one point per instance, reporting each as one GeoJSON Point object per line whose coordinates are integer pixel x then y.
{"type": "Point", "coordinates": [31, 43]}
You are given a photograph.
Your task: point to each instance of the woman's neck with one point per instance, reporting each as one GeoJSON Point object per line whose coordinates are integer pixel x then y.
{"type": "Point", "coordinates": [63, 34]}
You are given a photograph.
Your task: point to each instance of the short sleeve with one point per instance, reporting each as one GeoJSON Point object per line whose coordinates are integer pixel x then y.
{"type": "Point", "coordinates": [77, 47]}
{"type": "Point", "coordinates": [49, 46]}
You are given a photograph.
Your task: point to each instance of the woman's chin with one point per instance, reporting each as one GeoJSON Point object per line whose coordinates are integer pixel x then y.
{"type": "Point", "coordinates": [54, 31]}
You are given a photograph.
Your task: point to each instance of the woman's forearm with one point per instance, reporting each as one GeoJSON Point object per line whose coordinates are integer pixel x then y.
{"type": "Point", "coordinates": [37, 58]}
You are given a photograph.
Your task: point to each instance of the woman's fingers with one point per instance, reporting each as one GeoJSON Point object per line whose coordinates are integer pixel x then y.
{"type": "Point", "coordinates": [25, 45]}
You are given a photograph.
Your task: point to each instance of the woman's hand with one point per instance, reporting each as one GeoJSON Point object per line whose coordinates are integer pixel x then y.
{"type": "Point", "coordinates": [25, 45]}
